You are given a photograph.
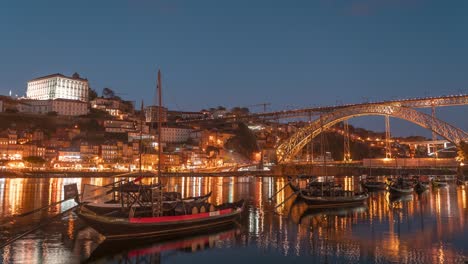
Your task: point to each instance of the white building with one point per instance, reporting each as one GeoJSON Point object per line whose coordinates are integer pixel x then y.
{"type": "Point", "coordinates": [58, 86]}
{"type": "Point", "coordinates": [175, 134]}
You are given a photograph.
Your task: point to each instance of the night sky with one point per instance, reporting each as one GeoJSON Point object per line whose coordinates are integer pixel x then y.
{"type": "Point", "coordinates": [239, 53]}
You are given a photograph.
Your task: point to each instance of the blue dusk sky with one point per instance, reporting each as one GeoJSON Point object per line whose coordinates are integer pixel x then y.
{"type": "Point", "coordinates": [238, 53]}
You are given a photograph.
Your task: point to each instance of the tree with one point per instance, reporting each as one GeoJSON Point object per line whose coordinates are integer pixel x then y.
{"type": "Point", "coordinates": [92, 94]}
{"type": "Point", "coordinates": [244, 142]}
{"type": "Point", "coordinates": [108, 93]}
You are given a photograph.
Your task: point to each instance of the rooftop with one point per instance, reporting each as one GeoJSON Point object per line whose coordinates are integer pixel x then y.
{"type": "Point", "coordinates": [75, 76]}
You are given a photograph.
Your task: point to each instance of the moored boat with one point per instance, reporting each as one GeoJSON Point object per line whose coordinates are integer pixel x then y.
{"type": "Point", "coordinates": [329, 198]}
{"type": "Point", "coordinates": [122, 226]}
{"type": "Point", "coordinates": [421, 186]}
{"type": "Point", "coordinates": [462, 179]}
{"type": "Point", "coordinates": [439, 182]}
{"type": "Point", "coordinates": [400, 187]}
{"type": "Point", "coordinates": [421, 183]}
{"type": "Point", "coordinates": [371, 184]}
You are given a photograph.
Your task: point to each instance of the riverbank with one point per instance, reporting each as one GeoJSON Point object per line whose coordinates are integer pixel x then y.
{"type": "Point", "coordinates": [278, 171]}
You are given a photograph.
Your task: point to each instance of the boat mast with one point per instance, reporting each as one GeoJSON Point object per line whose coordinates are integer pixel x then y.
{"type": "Point", "coordinates": [159, 87]}
{"type": "Point", "coordinates": [141, 136]}
{"type": "Point", "coordinates": [322, 150]}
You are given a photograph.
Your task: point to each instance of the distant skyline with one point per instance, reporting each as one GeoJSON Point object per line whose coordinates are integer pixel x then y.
{"type": "Point", "coordinates": [240, 53]}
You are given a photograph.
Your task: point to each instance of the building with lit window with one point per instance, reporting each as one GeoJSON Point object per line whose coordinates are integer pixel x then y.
{"type": "Point", "coordinates": [69, 155]}
{"type": "Point", "coordinates": [119, 126]}
{"type": "Point", "coordinates": [58, 86]}
{"type": "Point", "coordinates": [114, 106]}
{"type": "Point", "coordinates": [175, 134]}
{"type": "Point", "coordinates": [152, 112]}
{"type": "Point", "coordinates": [110, 152]}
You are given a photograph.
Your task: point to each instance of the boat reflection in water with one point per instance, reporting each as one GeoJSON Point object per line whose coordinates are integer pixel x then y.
{"type": "Point", "coordinates": [315, 215]}
{"type": "Point", "coordinates": [151, 251]}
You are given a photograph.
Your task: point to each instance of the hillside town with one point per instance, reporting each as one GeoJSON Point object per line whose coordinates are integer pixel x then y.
{"type": "Point", "coordinates": [63, 124]}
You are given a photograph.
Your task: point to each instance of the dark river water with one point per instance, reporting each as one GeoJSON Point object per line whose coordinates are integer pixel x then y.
{"type": "Point", "coordinates": [427, 228]}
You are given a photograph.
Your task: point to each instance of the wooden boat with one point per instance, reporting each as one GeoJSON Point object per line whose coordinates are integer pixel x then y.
{"type": "Point", "coordinates": [124, 226]}
{"type": "Point", "coordinates": [114, 205]}
{"type": "Point", "coordinates": [439, 183]}
{"type": "Point", "coordinates": [400, 187]}
{"type": "Point", "coordinates": [421, 186]}
{"type": "Point", "coordinates": [371, 184]}
{"type": "Point", "coordinates": [326, 198]}
{"type": "Point", "coordinates": [462, 179]}
{"type": "Point", "coordinates": [421, 183]}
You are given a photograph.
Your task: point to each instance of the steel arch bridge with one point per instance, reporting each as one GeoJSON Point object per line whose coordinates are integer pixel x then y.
{"type": "Point", "coordinates": [291, 147]}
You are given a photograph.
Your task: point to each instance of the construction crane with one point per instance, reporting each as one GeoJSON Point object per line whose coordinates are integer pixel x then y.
{"type": "Point", "coordinates": [261, 104]}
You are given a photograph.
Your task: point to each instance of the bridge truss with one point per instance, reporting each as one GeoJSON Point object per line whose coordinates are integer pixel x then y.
{"type": "Point", "coordinates": [424, 102]}
{"type": "Point", "coordinates": [288, 149]}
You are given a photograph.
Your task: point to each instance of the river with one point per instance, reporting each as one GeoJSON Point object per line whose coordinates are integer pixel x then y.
{"type": "Point", "coordinates": [426, 228]}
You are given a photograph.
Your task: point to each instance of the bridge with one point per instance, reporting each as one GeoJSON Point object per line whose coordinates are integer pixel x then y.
{"type": "Point", "coordinates": [331, 115]}
{"type": "Point", "coordinates": [289, 148]}
{"type": "Point", "coordinates": [424, 102]}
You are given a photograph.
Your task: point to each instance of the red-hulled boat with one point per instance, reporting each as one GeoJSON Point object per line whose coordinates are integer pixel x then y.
{"type": "Point", "coordinates": [125, 226]}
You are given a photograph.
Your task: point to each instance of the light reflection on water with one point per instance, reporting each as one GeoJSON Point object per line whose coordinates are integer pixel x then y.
{"type": "Point", "coordinates": [426, 228]}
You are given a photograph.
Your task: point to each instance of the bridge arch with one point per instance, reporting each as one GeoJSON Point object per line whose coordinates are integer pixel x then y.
{"type": "Point", "coordinates": [291, 146]}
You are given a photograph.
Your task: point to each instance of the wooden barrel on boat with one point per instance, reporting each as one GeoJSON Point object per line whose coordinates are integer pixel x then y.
{"type": "Point", "coordinates": [202, 209]}
{"type": "Point", "coordinates": [212, 208]}
{"type": "Point", "coordinates": [195, 210]}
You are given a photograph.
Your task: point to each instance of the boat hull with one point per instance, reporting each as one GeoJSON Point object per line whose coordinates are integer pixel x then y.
{"type": "Point", "coordinates": [330, 201]}
{"type": "Point", "coordinates": [462, 182]}
{"type": "Point", "coordinates": [438, 184]}
{"type": "Point", "coordinates": [421, 187]}
{"type": "Point", "coordinates": [400, 190]}
{"type": "Point", "coordinates": [333, 201]}
{"type": "Point", "coordinates": [374, 186]}
{"type": "Point", "coordinates": [119, 228]}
